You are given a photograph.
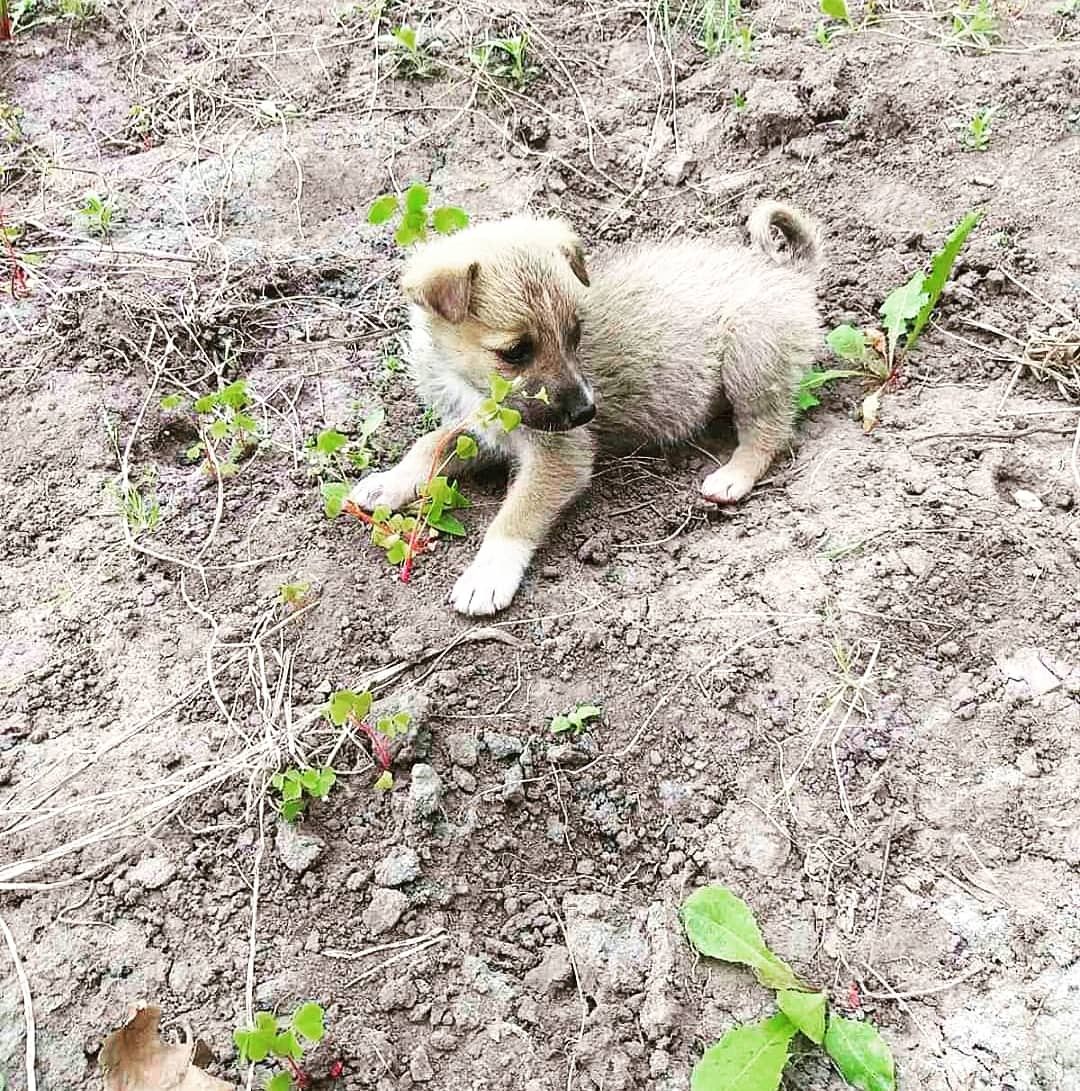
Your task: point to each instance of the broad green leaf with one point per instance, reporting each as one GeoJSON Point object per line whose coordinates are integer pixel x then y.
{"type": "Point", "coordinates": [900, 307]}
{"type": "Point", "coordinates": [371, 423]}
{"type": "Point", "coordinates": [277, 780]}
{"type": "Point", "coordinates": [805, 401]}
{"type": "Point", "coordinates": [416, 197]}
{"type": "Point", "coordinates": [836, 9]}
{"type": "Point", "coordinates": [500, 387]}
{"type": "Point", "coordinates": [449, 525]}
{"type": "Point", "coordinates": [847, 342]}
{"type": "Point", "coordinates": [560, 724]}
{"type": "Point", "coordinates": [940, 267]}
{"type": "Point", "coordinates": [286, 1045]}
{"type": "Point", "coordinates": [407, 234]}
{"type": "Point", "coordinates": [385, 781]}
{"type": "Point", "coordinates": [397, 553]}
{"type": "Point", "coordinates": [721, 925]}
{"type": "Point", "coordinates": [309, 778]}
{"type": "Point", "coordinates": [291, 789]}
{"type": "Point", "coordinates": [381, 514]}
{"type": "Point", "coordinates": [281, 1082]}
{"type": "Point", "coordinates": [448, 219]}
{"type": "Point", "coordinates": [244, 423]}
{"type": "Point", "coordinates": [407, 37]}
{"type": "Point", "coordinates": [330, 441]}
{"type": "Point", "coordinates": [860, 1054]}
{"type": "Point", "coordinates": [206, 403]}
{"type": "Point", "coordinates": [382, 208]}
{"type": "Point", "coordinates": [308, 1021]}
{"type": "Point", "coordinates": [292, 808]}
{"type": "Point", "coordinates": [194, 452]}
{"type": "Point", "coordinates": [172, 401]}
{"type": "Point", "coordinates": [806, 1011]}
{"type": "Point", "coordinates": [334, 494]}
{"type": "Point", "coordinates": [344, 703]}
{"type": "Point", "coordinates": [235, 395]}
{"type": "Point", "coordinates": [466, 447]}
{"type": "Point", "coordinates": [509, 419]}
{"type": "Point", "coordinates": [325, 780]}
{"type": "Point", "coordinates": [219, 429]}
{"type": "Point", "coordinates": [746, 1059]}
{"type": "Point", "coordinates": [584, 713]}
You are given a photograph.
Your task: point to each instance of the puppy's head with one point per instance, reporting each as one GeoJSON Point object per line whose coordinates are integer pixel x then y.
{"type": "Point", "coordinates": [506, 297]}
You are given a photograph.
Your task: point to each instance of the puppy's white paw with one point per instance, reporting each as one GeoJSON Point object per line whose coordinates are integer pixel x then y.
{"type": "Point", "coordinates": [728, 484]}
{"type": "Point", "coordinates": [491, 581]}
{"type": "Point", "coordinates": [389, 488]}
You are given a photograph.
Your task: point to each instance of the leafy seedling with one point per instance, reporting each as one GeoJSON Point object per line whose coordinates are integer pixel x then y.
{"type": "Point", "coordinates": [347, 708]}
{"type": "Point", "coordinates": [270, 1038]}
{"type": "Point", "coordinates": [294, 595]}
{"type": "Point", "coordinates": [874, 356]}
{"type": "Point", "coordinates": [505, 58]}
{"type": "Point", "coordinates": [10, 122]}
{"type": "Point", "coordinates": [975, 25]}
{"type": "Point", "coordinates": [228, 430]}
{"type": "Point", "coordinates": [333, 454]}
{"type": "Point", "coordinates": [297, 787]}
{"type": "Point", "coordinates": [719, 25]}
{"type": "Point", "coordinates": [97, 215]}
{"type": "Point", "coordinates": [412, 60]}
{"type": "Point", "coordinates": [140, 510]}
{"type": "Point", "coordinates": [416, 219]}
{"type": "Point", "coordinates": [577, 721]}
{"type": "Point", "coordinates": [976, 137]}
{"type": "Point", "coordinates": [753, 1058]}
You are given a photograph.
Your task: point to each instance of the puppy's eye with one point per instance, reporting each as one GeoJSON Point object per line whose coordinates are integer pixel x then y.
{"type": "Point", "coordinates": [520, 352]}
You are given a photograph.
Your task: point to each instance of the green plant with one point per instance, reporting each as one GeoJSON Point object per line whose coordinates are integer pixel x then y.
{"type": "Point", "coordinates": [223, 418]}
{"type": "Point", "coordinates": [268, 1037]}
{"type": "Point", "coordinates": [905, 312]}
{"type": "Point", "coordinates": [752, 1058]}
{"type": "Point", "coordinates": [719, 24]}
{"type": "Point", "coordinates": [80, 11]}
{"type": "Point", "coordinates": [505, 58]}
{"type": "Point", "coordinates": [332, 454]}
{"type": "Point", "coordinates": [412, 59]}
{"type": "Point", "coordinates": [976, 137]}
{"type": "Point", "coordinates": [838, 10]}
{"type": "Point", "coordinates": [577, 721]}
{"type": "Point", "coordinates": [142, 512]}
{"type": "Point", "coordinates": [5, 36]}
{"type": "Point", "coordinates": [346, 707]}
{"type": "Point", "coordinates": [975, 24]}
{"type": "Point", "coordinates": [416, 219]}
{"type": "Point", "coordinates": [97, 215]}
{"type": "Point", "coordinates": [294, 594]}
{"type": "Point", "coordinates": [10, 122]}
{"type": "Point", "coordinates": [297, 787]}
{"type": "Point", "coordinates": [738, 100]}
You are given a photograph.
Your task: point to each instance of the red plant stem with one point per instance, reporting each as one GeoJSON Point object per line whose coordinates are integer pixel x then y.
{"type": "Point", "coordinates": [18, 277]}
{"type": "Point", "coordinates": [380, 749]}
{"type": "Point", "coordinates": [5, 22]}
{"type": "Point", "coordinates": [301, 1077]}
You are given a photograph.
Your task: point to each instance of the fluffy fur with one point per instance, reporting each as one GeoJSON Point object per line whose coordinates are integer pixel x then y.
{"type": "Point", "coordinates": [653, 338]}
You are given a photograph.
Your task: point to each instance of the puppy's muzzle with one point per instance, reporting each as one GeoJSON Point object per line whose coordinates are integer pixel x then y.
{"type": "Point", "coordinates": [580, 408]}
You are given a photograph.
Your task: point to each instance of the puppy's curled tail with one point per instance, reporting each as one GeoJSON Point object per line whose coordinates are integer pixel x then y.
{"type": "Point", "coordinates": [786, 236]}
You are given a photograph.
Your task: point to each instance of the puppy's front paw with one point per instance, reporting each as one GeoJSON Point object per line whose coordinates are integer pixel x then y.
{"type": "Point", "coordinates": [389, 488]}
{"type": "Point", "coordinates": [491, 581]}
{"type": "Point", "coordinates": [728, 484]}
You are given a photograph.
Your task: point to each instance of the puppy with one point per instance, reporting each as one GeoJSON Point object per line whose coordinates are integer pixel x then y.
{"type": "Point", "coordinates": [643, 348]}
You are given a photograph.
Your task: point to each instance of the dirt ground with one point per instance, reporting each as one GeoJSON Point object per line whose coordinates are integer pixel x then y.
{"type": "Point", "coordinates": [854, 699]}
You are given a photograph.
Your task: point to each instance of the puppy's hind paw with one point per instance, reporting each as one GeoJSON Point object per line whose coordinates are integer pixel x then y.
{"type": "Point", "coordinates": [728, 484]}
{"type": "Point", "coordinates": [489, 584]}
{"type": "Point", "coordinates": [388, 488]}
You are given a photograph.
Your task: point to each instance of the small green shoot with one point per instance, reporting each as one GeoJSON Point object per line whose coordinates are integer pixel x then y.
{"type": "Point", "coordinates": [10, 122]}
{"type": "Point", "coordinates": [140, 510]}
{"type": "Point", "coordinates": [738, 100]}
{"type": "Point", "coordinates": [294, 595]}
{"type": "Point", "coordinates": [720, 26]}
{"type": "Point", "coordinates": [297, 787]}
{"type": "Point", "coordinates": [228, 430]}
{"type": "Point", "coordinates": [505, 58]}
{"type": "Point", "coordinates": [577, 721]}
{"type": "Point", "coordinates": [905, 312]}
{"type": "Point", "coordinates": [347, 707]}
{"type": "Point", "coordinates": [331, 454]}
{"type": "Point", "coordinates": [412, 60]}
{"type": "Point", "coordinates": [975, 25]}
{"type": "Point", "coordinates": [97, 215]}
{"type": "Point", "coordinates": [270, 1038]}
{"type": "Point", "coordinates": [976, 137]}
{"type": "Point", "coordinates": [753, 1058]}
{"type": "Point", "coordinates": [416, 219]}
{"type": "Point", "coordinates": [838, 10]}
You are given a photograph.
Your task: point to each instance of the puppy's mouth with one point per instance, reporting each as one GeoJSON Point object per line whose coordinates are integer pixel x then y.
{"type": "Point", "coordinates": [542, 418]}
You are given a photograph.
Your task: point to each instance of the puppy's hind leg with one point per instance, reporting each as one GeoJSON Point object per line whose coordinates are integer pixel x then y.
{"type": "Point", "coordinates": [552, 471]}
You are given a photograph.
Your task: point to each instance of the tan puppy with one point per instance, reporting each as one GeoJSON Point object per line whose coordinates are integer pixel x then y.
{"type": "Point", "coordinates": [643, 348]}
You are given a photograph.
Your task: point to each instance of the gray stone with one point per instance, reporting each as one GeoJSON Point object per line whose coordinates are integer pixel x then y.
{"type": "Point", "coordinates": [298, 851]}
{"type": "Point", "coordinates": [464, 750]}
{"type": "Point", "coordinates": [420, 1066]}
{"type": "Point", "coordinates": [406, 644]}
{"type": "Point", "coordinates": [152, 872]}
{"type": "Point", "coordinates": [400, 867]}
{"type": "Point", "coordinates": [555, 972]}
{"type": "Point", "coordinates": [1027, 500]}
{"type": "Point", "coordinates": [502, 746]}
{"type": "Point", "coordinates": [425, 791]}
{"type": "Point", "coordinates": [774, 113]}
{"type": "Point", "coordinates": [514, 785]}
{"type": "Point", "coordinates": [398, 993]}
{"type": "Point", "coordinates": [678, 168]}
{"type": "Point", "coordinates": [754, 842]}
{"type": "Point", "coordinates": [384, 910]}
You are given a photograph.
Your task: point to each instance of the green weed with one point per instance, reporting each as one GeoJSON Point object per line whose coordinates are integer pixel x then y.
{"type": "Point", "coordinates": [872, 355]}
{"type": "Point", "coordinates": [228, 431]}
{"type": "Point", "coordinates": [738, 100]}
{"type": "Point", "coordinates": [98, 215]}
{"type": "Point", "coordinates": [141, 511]}
{"type": "Point", "coordinates": [976, 137]}
{"type": "Point", "coordinates": [975, 25]}
{"type": "Point", "coordinates": [10, 123]}
{"type": "Point", "coordinates": [348, 708]}
{"type": "Point", "coordinates": [297, 787]}
{"type": "Point", "coordinates": [284, 1042]}
{"type": "Point", "coordinates": [416, 219]}
{"type": "Point", "coordinates": [577, 721]}
{"type": "Point", "coordinates": [505, 58]}
{"type": "Point", "coordinates": [412, 60]}
{"type": "Point", "coordinates": [294, 595]}
{"type": "Point", "coordinates": [753, 1058]}
{"type": "Point", "coordinates": [332, 454]}
{"type": "Point", "coordinates": [80, 11]}
{"type": "Point", "coordinates": [720, 27]}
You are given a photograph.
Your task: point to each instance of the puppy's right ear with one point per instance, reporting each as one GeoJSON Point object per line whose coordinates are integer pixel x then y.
{"type": "Point", "coordinates": [441, 289]}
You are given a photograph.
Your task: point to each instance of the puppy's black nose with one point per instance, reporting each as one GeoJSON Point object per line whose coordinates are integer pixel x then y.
{"type": "Point", "coordinates": [582, 414]}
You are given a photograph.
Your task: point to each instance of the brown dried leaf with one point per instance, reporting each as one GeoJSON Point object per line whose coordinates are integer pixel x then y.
{"type": "Point", "coordinates": [134, 1058]}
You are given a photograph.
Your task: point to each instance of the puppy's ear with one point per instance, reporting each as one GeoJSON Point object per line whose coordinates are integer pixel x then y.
{"type": "Point", "coordinates": [442, 289]}
{"type": "Point", "coordinates": [575, 254]}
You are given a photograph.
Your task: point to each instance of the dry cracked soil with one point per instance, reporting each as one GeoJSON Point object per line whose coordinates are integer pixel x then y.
{"type": "Point", "coordinates": [854, 699]}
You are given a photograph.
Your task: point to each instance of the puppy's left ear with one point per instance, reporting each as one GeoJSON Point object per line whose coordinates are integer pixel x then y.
{"type": "Point", "coordinates": [575, 254]}
{"type": "Point", "coordinates": [442, 289]}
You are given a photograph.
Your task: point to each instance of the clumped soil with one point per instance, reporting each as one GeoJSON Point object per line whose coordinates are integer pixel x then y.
{"type": "Point", "coordinates": [853, 698]}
